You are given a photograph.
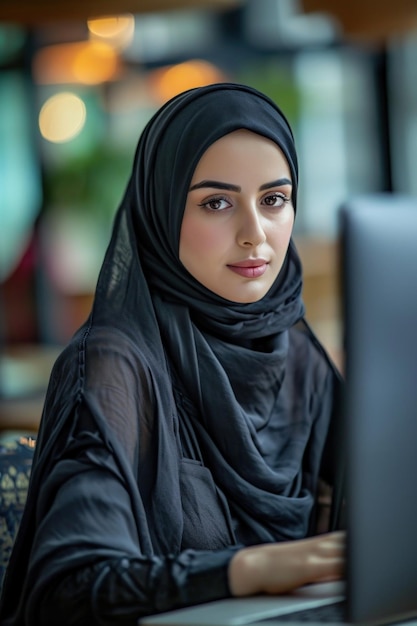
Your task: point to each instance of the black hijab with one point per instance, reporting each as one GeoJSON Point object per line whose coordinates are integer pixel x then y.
{"type": "Point", "coordinates": [168, 370]}
{"type": "Point", "coordinates": [149, 220]}
{"type": "Point", "coordinates": [245, 431]}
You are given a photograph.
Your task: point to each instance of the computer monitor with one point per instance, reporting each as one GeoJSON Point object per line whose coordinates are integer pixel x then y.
{"type": "Point", "coordinates": [379, 279]}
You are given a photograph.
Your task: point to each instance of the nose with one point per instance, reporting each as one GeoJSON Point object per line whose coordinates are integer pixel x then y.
{"type": "Point", "coordinates": [250, 232]}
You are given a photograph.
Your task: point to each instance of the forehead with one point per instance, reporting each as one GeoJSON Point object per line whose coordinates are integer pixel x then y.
{"type": "Point", "coordinates": [240, 151]}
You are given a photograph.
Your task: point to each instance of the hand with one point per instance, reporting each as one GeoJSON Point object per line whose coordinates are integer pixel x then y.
{"type": "Point", "coordinates": [280, 567]}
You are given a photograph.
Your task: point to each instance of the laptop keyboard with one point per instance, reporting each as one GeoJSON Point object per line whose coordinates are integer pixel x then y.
{"type": "Point", "coordinates": [334, 612]}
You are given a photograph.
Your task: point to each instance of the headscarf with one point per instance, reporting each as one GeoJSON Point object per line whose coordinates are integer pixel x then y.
{"type": "Point", "coordinates": [150, 218]}
{"type": "Point", "coordinates": [245, 431]}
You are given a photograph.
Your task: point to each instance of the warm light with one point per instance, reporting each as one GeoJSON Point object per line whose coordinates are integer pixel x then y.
{"type": "Point", "coordinates": [95, 63]}
{"type": "Point", "coordinates": [87, 62]}
{"type": "Point", "coordinates": [62, 117]}
{"type": "Point", "coordinates": [168, 82]}
{"type": "Point", "coordinates": [116, 30]}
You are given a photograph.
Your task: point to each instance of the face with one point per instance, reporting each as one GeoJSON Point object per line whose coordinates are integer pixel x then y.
{"type": "Point", "coordinates": [238, 217]}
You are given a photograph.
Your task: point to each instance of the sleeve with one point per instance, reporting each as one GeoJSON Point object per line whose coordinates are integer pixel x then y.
{"type": "Point", "coordinates": [121, 591]}
{"type": "Point", "coordinates": [89, 562]}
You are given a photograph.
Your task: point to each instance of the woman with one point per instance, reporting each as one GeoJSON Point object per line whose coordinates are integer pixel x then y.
{"type": "Point", "coordinates": [188, 424]}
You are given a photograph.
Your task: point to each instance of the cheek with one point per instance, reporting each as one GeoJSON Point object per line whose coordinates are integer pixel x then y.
{"type": "Point", "coordinates": [198, 239]}
{"type": "Point", "coordinates": [282, 234]}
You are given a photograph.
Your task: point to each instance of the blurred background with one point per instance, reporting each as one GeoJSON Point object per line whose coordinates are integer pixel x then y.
{"type": "Point", "coordinates": [80, 79]}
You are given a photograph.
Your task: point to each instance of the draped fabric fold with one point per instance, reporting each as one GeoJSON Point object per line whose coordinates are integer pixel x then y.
{"type": "Point", "coordinates": [194, 396]}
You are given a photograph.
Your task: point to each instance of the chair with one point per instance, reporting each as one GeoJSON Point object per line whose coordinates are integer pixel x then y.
{"type": "Point", "coordinates": [16, 455]}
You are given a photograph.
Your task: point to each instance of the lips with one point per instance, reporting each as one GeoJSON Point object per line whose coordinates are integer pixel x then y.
{"type": "Point", "coordinates": [250, 268]}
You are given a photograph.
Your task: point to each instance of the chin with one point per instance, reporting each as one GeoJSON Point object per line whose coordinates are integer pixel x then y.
{"type": "Point", "coordinates": [248, 299]}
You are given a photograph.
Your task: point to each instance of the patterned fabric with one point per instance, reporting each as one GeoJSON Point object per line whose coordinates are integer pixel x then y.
{"type": "Point", "coordinates": [16, 453]}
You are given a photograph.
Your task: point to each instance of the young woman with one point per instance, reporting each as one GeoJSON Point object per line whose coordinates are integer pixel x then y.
{"type": "Point", "coordinates": [190, 422]}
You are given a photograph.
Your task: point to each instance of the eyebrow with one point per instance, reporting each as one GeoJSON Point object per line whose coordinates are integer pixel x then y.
{"type": "Point", "coordinates": [216, 184]}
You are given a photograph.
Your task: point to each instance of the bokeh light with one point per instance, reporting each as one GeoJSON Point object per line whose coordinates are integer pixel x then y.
{"type": "Point", "coordinates": [169, 81]}
{"type": "Point", "coordinates": [116, 30]}
{"type": "Point", "coordinates": [62, 117]}
{"type": "Point", "coordinates": [86, 62]}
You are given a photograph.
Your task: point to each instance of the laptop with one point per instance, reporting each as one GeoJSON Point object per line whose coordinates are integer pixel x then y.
{"type": "Point", "coordinates": [379, 295]}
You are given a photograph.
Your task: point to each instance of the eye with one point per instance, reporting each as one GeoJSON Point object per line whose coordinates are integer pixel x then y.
{"type": "Point", "coordinates": [276, 199]}
{"type": "Point", "coordinates": [218, 203]}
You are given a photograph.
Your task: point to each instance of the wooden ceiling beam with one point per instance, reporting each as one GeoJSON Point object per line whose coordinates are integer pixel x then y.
{"type": "Point", "coordinates": [30, 13]}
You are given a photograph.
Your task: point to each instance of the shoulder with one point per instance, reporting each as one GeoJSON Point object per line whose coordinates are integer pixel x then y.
{"type": "Point", "coordinates": [104, 366]}
{"type": "Point", "coordinates": [309, 357]}
{"type": "Point", "coordinates": [103, 353]}
{"type": "Point", "coordinates": [303, 343]}
{"type": "Point", "coordinates": [102, 378]}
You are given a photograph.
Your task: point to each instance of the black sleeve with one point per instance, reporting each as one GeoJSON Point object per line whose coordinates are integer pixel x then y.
{"type": "Point", "coordinates": [120, 591]}
{"type": "Point", "coordinates": [89, 564]}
